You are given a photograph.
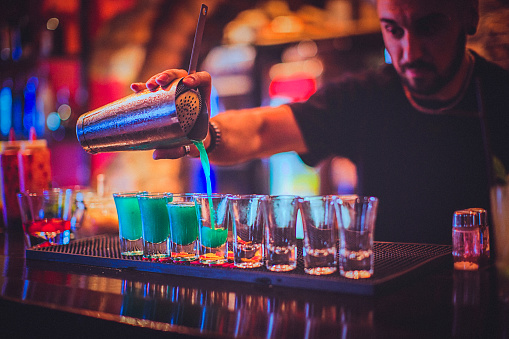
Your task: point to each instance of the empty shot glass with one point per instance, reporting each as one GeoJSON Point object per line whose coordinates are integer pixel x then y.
{"type": "Point", "coordinates": [248, 226]}
{"type": "Point", "coordinates": [155, 224]}
{"type": "Point", "coordinates": [129, 222]}
{"type": "Point", "coordinates": [280, 238]}
{"type": "Point", "coordinates": [319, 245]}
{"type": "Point", "coordinates": [356, 222]}
{"type": "Point", "coordinates": [212, 212]}
{"type": "Point", "coordinates": [183, 227]}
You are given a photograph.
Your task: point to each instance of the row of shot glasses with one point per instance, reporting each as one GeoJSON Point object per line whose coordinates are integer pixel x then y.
{"type": "Point", "coordinates": [194, 227]}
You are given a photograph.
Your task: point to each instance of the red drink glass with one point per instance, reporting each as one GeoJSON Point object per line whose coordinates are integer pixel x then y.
{"type": "Point", "coordinates": [46, 216]}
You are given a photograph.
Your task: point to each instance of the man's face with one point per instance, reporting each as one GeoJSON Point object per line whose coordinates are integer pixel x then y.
{"type": "Point", "coordinates": [426, 41]}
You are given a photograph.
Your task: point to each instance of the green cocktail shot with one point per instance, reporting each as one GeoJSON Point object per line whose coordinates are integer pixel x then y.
{"type": "Point", "coordinates": [183, 229]}
{"type": "Point", "coordinates": [213, 237]}
{"type": "Point", "coordinates": [129, 223]}
{"type": "Point", "coordinates": [155, 224]}
{"type": "Point", "coordinates": [212, 211]}
{"type": "Point", "coordinates": [183, 223]}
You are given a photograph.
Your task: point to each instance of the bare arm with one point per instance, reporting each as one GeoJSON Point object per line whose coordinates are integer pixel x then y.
{"type": "Point", "coordinates": [245, 134]}
{"type": "Point", "coordinates": [256, 133]}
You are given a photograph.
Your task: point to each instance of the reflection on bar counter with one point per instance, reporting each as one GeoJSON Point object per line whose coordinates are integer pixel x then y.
{"type": "Point", "coordinates": [244, 315]}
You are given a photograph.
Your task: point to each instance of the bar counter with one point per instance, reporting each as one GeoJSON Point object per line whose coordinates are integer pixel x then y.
{"type": "Point", "coordinates": [51, 299]}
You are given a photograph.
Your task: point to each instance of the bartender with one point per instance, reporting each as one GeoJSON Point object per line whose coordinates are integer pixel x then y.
{"type": "Point", "coordinates": [417, 129]}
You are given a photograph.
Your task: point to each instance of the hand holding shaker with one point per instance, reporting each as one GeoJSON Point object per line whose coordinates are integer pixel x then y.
{"type": "Point", "coordinates": [169, 117]}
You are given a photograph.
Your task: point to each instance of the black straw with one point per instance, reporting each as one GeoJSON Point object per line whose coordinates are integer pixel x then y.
{"type": "Point", "coordinates": [197, 39]}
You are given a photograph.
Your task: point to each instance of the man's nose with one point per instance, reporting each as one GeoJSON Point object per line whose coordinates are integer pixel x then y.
{"type": "Point", "coordinates": [413, 48]}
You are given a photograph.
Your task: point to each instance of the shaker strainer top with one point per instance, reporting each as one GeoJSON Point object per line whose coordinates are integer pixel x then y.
{"type": "Point", "coordinates": [188, 104]}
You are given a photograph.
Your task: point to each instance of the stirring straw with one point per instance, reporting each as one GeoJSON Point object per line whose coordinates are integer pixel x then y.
{"type": "Point", "coordinates": [195, 52]}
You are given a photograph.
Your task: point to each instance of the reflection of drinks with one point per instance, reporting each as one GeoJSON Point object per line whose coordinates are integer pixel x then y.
{"type": "Point", "coordinates": [356, 254]}
{"type": "Point", "coordinates": [183, 230]}
{"type": "Point", "coordinates": [54, 231]}
{"type": "Point", "coordinates": [248, 254]}
{"type": "Point", "coordinates": [129, 222]}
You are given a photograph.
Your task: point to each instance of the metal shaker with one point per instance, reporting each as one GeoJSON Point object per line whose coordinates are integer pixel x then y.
{"type": "Point", "coordinates": [169, 117]}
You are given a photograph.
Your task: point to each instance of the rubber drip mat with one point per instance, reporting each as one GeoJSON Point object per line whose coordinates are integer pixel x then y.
{"type": "Point", "coordinates": [394, 262]}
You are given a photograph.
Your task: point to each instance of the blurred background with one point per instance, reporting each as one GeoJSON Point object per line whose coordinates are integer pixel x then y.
{"type": "Point", "coordinates": [62, 58]}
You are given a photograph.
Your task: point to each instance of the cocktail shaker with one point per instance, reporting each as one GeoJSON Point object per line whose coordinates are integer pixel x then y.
{"type": "Point", "coordinates": [169, 117]}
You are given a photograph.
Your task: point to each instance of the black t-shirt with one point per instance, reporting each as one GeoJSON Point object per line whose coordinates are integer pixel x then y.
{"type": "Point", "coordinates": [421, 166]}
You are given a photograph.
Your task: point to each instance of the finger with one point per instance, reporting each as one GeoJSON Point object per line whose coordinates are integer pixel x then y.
{"type": "Point", "coordinates": [201, 80]}
{"type": "Point", "coordinates": [164, 78]}
{"type": "Point", "coordinates": [138, 86]}
{"type": "Point", "coordinates": [170, 153]}
{"type": "Point", "coordinates": [198, 79]}
{"type": "Point", "coordinates": [175, 153]}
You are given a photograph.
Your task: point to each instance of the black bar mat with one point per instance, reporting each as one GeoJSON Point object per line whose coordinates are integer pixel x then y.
{"type": "Point", "coordinates": [394, 262]}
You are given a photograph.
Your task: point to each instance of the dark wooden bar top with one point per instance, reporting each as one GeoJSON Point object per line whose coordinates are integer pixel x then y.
{"type": "Point", "coordinates": [61, 300]}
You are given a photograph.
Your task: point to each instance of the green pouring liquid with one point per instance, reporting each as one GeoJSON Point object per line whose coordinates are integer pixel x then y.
{"type": "Point", "coordinates": [206, 169]}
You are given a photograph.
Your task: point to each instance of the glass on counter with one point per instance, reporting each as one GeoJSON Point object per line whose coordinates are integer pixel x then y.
{"type": "Point", "coordinates": [466, 243]}
{"type": "Point", "coordinates": [129, 223]}
{"type": "Point", "coordinates": [183, 227]}
{"type": "Point", "coordinates": [155, 224]}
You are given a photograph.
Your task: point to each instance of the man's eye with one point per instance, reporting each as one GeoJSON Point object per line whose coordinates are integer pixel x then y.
{"type": "Point", "coordinates": [395, 31]}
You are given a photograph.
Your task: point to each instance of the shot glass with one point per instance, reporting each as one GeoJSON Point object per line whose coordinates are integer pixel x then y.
{"type": "Point", "coordinates": [319, 245]}
{"type": "Point", "coordinates": [129, 222]}
{"type": "Point", "coordinates": [183, 227]}
{"type": "Point", "coordinates": [212, 211]}
{"type": "Point", "coordinates": [356, 222]}
{"type": "Point", "coordinates": [155, 224]}
{"type": "Point", "coordinates": [246, 215]}
{"type": "Point", "coordinates": [46, 216]}
{"type": "Point", "coordinates": [280, 232]}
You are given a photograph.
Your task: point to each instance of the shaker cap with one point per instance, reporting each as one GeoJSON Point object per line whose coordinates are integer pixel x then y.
{"type": "Point", "coordinates": [481, 215]}
{"type": "Point", "coordinates": [465, 218]}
